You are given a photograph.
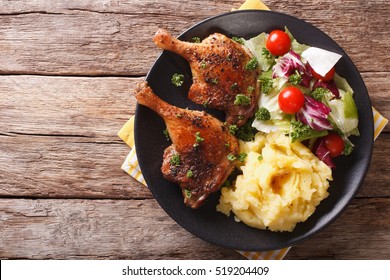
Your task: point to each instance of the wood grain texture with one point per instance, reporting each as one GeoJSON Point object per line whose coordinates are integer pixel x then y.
{"type": "Point", "coordinates": [63, 38]}
{"type": "Point", "coordinates": [96, 229]}
{"type": "Point", "coordinates": [119, 229]}
{"type": "Point", "coordinates": [90, 107]}
{"type": "Point", "coordinates": [360, 233]}
{"type": "Point", "coordinates": [67, 72]}
{"type": "Point", "coordinates": [72, 167]}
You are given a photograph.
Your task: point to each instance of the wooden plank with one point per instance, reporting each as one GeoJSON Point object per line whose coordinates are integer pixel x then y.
{"type": "Point", "coordinates": [91, 107]}
{"type": "Point", "coordinates": [96, 229]}
{"type": "Point", "coordinates": [139, 7]}
{"type": "Point", "coordinates": [132, 229]}
{"type": "Point", "coordinates": [378, 176]}
{"type": "Point", "coordinates": [63, 38]}
{"type": "Point", "coordinates": [42, 38]}
{"type": "Point", "coordinates": [362, 232]}
{"type": "Point", "coordinates": [377, 86]}
{"type": "Point", "coordinates": [72, 167]}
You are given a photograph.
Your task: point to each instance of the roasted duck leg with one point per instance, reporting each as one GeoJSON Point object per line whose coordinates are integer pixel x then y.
{"type": "Point", "coordinates": [224, 75]}
{"type": "Point", "coordinates": [202, 152]}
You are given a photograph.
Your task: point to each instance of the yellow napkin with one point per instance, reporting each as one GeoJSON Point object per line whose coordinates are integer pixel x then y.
{"type": "Point", "coordinates": [131, 167]}
{"type": "Point", "coordinates": [253, 5]}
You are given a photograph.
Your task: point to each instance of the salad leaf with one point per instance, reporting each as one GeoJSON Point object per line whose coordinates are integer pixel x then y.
{"type": "Point", "coordinates": [342, 83]}
{"type": "Point", "coordinates": [314, 114]}
{"type": "Point", "coordinates": [295, 46]}
{"type": "Point", "coordinates": [257, 46]}
{"type": "Point", "coordinates": [344, 115]}
{"type": "Point", "coordinates": [319, 93]}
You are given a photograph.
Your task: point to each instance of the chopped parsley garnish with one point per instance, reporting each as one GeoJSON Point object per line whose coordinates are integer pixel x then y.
{"type": "Point", "coordinates": [348, 148]}
{"type": "Point", "coordinates": [266, 53]}
{"type": "Point", "coordinates": [231, 157]}
{"type": "Point", "coordinates": [238, 40]}
{"type": "Point", "coordinates": [166, 134]}
{"type": "Point", "coordinates": [319, 93]}
{"type": "Point", "coordinates": [187, 193]}
{"type": "Point", "coordinates": [195, 39]}
{"type": "Point", "coordinates": [250, 89]}
{"type": "Point", "coordinates": [227, 145]}
{"type": "Point", "coordinates": [190, 174]}
{"type": "Point", "coordinates": [214, 81]}
{"type": "Point", "coordinates": [262, 114]}
{"type": "Point", "coordinates": [177, 79]}
{"type": "Point", "coordinates": [246, 132]}
{"type": "Point", "coordinates": [198, 139]}
{"type": "Point", "coordinates": [301, 132]}
{"type": "Point", "coordinates": [203, 64]}
{"type": "Point", "coordinates": [233, 128]}
{"type": "Point", "coordinates": [260, 158]}
{"type": "Point", "coordinates": [252, 64]}
{"type": "Point", "coordinates": [175, 160]}
{"type": "Point", "coordinates": [242, 100]}
{"type": "Point", "coordinates": [295, 79]}
{"type": "Point", "coordinates": [265, 82]}
{"type": "Point", "coordinates": [241, 157]}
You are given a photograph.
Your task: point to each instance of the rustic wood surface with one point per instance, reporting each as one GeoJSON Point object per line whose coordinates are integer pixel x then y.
{"type": "Point", "coordinates": [67, 69]}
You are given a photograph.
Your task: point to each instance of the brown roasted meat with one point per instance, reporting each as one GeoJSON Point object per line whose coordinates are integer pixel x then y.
{"type": "Point", "coordinates": [223, 72]}
{"type": "Point", "coordinates": [202, 152]}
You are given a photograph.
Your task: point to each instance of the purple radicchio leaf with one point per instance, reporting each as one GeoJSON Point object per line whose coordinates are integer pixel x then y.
{"type": "Point", "coordinates": [315, 114]}
{"type": "Point", "coordinates": [287, 65]}
{"type": "Point", "coordinates": [331, 86]}
{"type": "Point", "coordinates": [323, 153]}
{"type": "Point", "coordinates": [306, 78]}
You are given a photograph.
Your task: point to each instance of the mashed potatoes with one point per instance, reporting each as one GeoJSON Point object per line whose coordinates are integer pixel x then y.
{"type": "Point", "coordinates": [281, 185]}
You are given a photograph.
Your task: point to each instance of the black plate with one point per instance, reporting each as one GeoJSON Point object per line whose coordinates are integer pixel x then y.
{"type": "Point", "coordinates": [206, 222]}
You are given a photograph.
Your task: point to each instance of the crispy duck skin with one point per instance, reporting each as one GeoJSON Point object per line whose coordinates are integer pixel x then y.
{"type": "Point", "coordinates": [197, 160]}
{"type": "Point", "coordinates": [219, 72]}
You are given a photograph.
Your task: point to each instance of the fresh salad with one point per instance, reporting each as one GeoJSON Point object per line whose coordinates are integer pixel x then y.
{"type": "Point", "coordinates": [302, 95]}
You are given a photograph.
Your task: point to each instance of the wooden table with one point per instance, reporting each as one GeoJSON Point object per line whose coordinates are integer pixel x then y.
{"type": "Point", "coordinates": [68, 69]}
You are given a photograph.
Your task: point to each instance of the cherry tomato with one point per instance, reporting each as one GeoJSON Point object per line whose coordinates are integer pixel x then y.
{"type": "Point", "coordinates": [335, 144]}
{"type": "Point", "coordinates": [328, 76]}
{"type": "Point", "coordinates": [291, 100]}
{"type": "Point", "coordinates": [278, 42]}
